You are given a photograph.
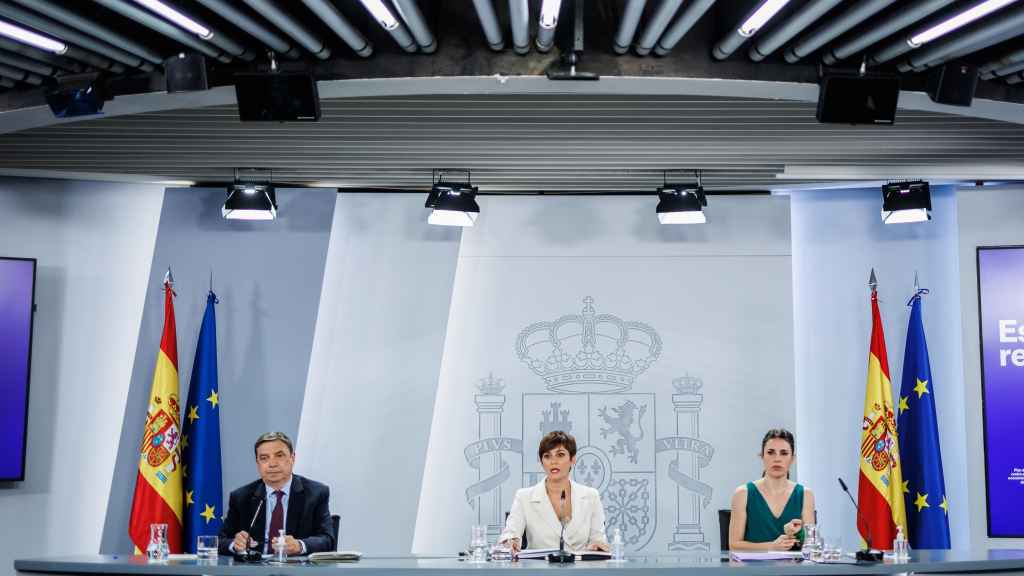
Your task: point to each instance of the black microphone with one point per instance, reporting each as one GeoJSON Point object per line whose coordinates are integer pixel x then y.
{"type": "Point", "coordinates": [869, 554]}
{"type": "Point", "coordinates": [251, 554]}
{"type": "Point", "coordinates": [562, 557]}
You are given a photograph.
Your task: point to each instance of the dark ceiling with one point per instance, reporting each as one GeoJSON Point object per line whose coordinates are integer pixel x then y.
{"type": "Point", "coordinates": [127, 43]}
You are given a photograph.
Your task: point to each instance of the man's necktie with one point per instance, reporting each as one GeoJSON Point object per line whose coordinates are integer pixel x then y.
{"type": "Point", "coordinates": [276, 520]}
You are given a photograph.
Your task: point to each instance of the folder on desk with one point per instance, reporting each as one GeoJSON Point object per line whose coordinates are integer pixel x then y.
{"type": "Point", "coordinates": [332, 557]}
{"type": "Point", "coordinates": [769, 555]}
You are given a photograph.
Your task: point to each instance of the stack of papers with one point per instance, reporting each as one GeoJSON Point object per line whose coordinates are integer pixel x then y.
{"type": "Point", "coordinates": [769, 555]}
{"type": "Point", "coordinates": [339, 556]}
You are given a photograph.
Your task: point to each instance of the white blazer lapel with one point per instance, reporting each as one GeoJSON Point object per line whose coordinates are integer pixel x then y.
{"type": "Point", "coordinates": [579, 514]}
{"type": "Point", "coordinates": [542, 507]}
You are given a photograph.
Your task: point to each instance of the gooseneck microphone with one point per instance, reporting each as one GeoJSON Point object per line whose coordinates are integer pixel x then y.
{"type": "Point", "coordinates": [251, 554]}
{"type": "Point", "coordinates": [868, 554]}
{"type": "Point", "coordinates": [561, 557]}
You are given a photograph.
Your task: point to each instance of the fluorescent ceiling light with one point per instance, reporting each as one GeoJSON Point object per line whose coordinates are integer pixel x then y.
{"type": "Point", "coordinates": [31, 38]}
{"type": "Point", "coordinates": [178, 18]}
{"type": "Point", "coordinates": [965, 17]}
{"type": "Point", "coordinates": [761, 16]}
{"type": "Point", "coordinates": [381, 13]}
{"type": "Point", "coordinates": [549, 13]}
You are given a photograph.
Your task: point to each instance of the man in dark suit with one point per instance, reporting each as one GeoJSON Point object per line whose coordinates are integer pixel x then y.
{"type": "Point", "coordinates": [278, 500]}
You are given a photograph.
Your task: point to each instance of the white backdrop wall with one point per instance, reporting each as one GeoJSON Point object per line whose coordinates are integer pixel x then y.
{"type": "Point", "coordinates": [94, 243]}
{"type": "Point", "coordinates": [666, 351]}
{"type": "Point", "coordinates": [838, 237]}
{"type": "Point", "coordinates": [987, 217]}
{"type": "Point", "coordinates": [373, 369]}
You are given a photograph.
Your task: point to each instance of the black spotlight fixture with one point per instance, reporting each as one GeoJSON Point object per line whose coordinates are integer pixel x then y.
{"type": "Point", "coordinates": [250, 198]}
{"type": "Point", "coordinates": [905, 202]}
{"type": "Point", "coordinates": [682, 203]}
{"type": "Point", "coordinates": [452, 203]}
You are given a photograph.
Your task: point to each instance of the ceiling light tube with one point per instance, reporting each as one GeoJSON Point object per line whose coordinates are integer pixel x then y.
{"type": "Point", "coordinates": [31, 38]}
{"type": "Point", "coordinates": [380, 11]}
{"type": "Point", "coordinates": [761, 16]}
{"type": "Point", "coordinates": [966, 17]}
{"type": "Point", "coordinates": [178, 18]}
{"type": "Point", "coordinates": [549, 13]}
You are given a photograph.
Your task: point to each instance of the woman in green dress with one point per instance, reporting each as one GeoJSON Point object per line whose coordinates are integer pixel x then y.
{"type": "Point", "coordinates": [770, 512]}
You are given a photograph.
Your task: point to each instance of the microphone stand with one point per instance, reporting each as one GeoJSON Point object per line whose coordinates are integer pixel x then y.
{"type": "Point", "coordinates": [868, 554]}
{"type": "Point", "coordinates": [251, 554]}
{"type": "Point", "coordinates": [561, 557]}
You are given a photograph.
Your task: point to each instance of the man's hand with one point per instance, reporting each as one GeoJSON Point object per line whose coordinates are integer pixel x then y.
{"type": "Point", "coordinates": [784, 542]}
{"type": "Point", "coordinates": [599, 546]}
{"type": "Point", "coordinates": [242, 542]}
{"type": "Point", "coordinates": [793, 526]}
{"type": "Point", "coordinates": [291, 545]}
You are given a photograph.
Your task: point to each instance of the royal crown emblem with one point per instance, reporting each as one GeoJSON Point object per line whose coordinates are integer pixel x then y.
{"type": "Point", "coordinates": [588, 352]}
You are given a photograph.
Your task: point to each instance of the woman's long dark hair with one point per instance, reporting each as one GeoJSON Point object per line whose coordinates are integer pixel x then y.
{"type": "Point", "coordinates": [779, 434]}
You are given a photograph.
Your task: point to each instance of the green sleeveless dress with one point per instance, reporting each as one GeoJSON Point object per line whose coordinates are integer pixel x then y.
{"type": "Point", "coordinates": [762, 525]}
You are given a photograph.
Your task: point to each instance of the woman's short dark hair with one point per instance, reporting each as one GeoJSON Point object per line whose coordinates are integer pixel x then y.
{"type": "Point", "coordinates": [553, 440]}
{"type": "Point", "coordinates": [780, 434]}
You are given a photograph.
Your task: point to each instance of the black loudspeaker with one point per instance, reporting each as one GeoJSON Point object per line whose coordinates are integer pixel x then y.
{"type": "Point", "coordinates": [185, 73]}
{"type": "Point", "coordinates": [77, 95]}
{"type": "Point", "coordinates": [953, 84]}
{"type": "Point", "coordinates": [277, 97]}
{"type": "Point", "coordinates": [853, 99]}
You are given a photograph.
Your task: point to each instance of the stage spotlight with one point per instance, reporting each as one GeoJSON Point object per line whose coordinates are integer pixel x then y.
{"type": "Point", "coordinates": [904, 202]}
{"type": "Point", "coordinates": [249, 201]}
{"type": "Point", "coordinates": [681, 204]}
{"type": "Point", "coordinates": [77, 95]}
{"type": "Point", "coordinates": [453, 204]}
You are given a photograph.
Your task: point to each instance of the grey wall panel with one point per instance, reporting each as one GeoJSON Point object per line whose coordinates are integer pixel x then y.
{"type": "Point", "coordinates": [268, 276]}
{"type": "Point", "coordinates": [375, 363]}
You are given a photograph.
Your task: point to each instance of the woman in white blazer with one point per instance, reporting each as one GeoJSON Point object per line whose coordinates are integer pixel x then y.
{"type": "Point", "coordinates": [541, 509]}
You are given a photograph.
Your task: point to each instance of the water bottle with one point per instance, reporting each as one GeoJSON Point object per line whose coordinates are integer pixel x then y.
{"type": "Point", "coordinates": [618, 546]}
{"type": "Point", "coordinates": [900, 548]}
{"type": "Point", "coordinates": [282, 549]}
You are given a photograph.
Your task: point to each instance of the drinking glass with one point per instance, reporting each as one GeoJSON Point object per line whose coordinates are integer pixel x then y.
{"type": "Point", "coordinates": [833, 551]}
{"type": "Point", "coordinates": [157, 550]}
{"type": "Point", "coordinates": [501, 552]}
{"type": "Point", "coordinates": [206, 547]}
{"type": "Point", "coordinates": [478, 543]}
{"type": "Point", "coordinates": [810, 541]}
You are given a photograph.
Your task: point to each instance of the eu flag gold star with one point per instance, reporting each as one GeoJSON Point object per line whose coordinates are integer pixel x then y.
{"type": "Point", "coordinates": [184, 470]}
{"type": "Point", "coordinates": [184, 440]}
{"type": "Point", "coordinates": [906, 486]}
{"type": "Point", "coordinates": [944, 505]}
{"type": "Point", "coordinates": [903, 404]}
{"type": "Point", "coordinates": [208, 513]}
{"type": "Point", "coordinates": [921, 501]}
{"type": "Point", "coordinates": [193, 414]}
{"type": "Point", "coordinates": [188, 498]}
{"type": "Point", "coordinates": [921, 388]}
{"type": "Point", "coordinates": [213, 400]}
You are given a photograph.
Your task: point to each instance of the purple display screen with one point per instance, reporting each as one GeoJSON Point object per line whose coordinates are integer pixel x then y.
{"type": "Point", "coordinates": [17, 289]}
{"type": "Point", "coordinates": [1001, 301]}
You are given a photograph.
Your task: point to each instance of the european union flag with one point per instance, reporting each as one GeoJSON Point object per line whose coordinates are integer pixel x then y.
{"type": "Point", "coordinates": [204, 500]}
{"type": "Point", "coordinates": [924, 488]}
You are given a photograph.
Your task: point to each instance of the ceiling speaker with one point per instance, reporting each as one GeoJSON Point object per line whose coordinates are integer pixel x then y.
{"type": "Point", "coordinates": [854, 99]}
{"type": "Point", "coordinates": [953, 83]}
{"type": "Point", "coordinates": [185, 73]}
{"type": "Point", "coordinates": [277, 97]}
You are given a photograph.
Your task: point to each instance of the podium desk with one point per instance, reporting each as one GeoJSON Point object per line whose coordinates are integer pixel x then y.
{"type": "Point", "coordinates": [931, 561]}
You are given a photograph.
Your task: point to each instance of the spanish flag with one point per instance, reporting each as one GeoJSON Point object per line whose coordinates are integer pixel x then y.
{"type": "Point", "coordinates": [880, 491]}
{"type": "Point", "coordinates": [158, 497]}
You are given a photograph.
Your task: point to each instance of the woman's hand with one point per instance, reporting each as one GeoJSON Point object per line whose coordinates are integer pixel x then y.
{"type": "Point", "coordinates": [784, 542]}
{"type": "Point", "coordinates": [793, 526]}
{"type": "Point", "coordinates": [514, 544]}
{"type": "Point", "coordinates": [599, 546]}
